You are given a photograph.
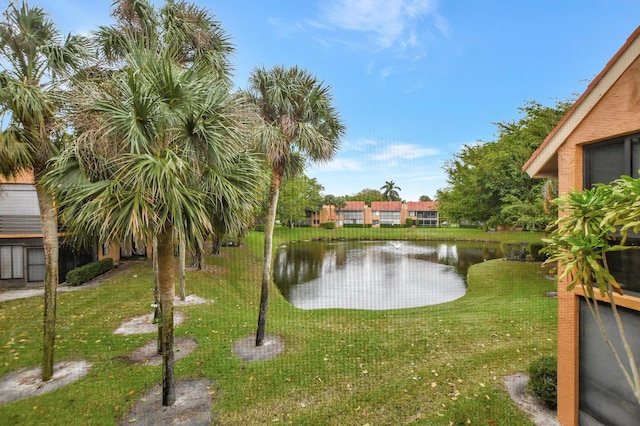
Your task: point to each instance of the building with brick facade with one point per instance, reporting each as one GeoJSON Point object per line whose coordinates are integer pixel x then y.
{"type": "Point", "coordinates": [380, 213]}
{"type": "Point", "coordinates": [597, 141]}
{"type": "Point", "coordinates": [21, 248]}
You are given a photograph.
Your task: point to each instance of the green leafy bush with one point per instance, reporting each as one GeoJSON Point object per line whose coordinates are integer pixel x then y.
{"type": "Point", "coordinates": [543, 380]}
{"type": "Point", "coordinates": [82, 274]}
{"type": "Point", "coordinates": [329, 225]}
{"type": "Point", "coordinates": [512, 250]}
{"type": "Point", "coordinates": [534, 250]}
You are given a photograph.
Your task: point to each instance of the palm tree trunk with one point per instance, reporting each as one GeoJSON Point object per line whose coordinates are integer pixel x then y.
{"type": "Point", "coordinates": [156, 292]}
{"type": "Point", "coordinates": [274, 190]}
{"type": "Point", "coordinates": [49, 223]}
{"type": "Point", "coordinates": [182, 259]}
{"type": "Point", "coordinates": [217, 245]}
{"type": "Point", "coordinates": [166, 279]}
{"type": "Point", "coordinates": [197, 261]}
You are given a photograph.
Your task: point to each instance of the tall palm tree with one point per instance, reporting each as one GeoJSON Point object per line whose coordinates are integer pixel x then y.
{"type": "Point", "coordinates": [390, 191]}
{"type": "Point", "coordinates": [189, 31]}
{"type": "Point", "coordinates": [36, 62]}
{"type": "Point", "coordinates": [161, 146]}
{"type": "Point", "coordinates": [299, 121]}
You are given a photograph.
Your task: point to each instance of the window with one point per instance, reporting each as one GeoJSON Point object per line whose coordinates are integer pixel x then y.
{"type": "Point", "coordinates": [427, 215]}
{"type": "Point", "coordinates": [105, 249]}
{"type": "Point", "coordinates": [35, 264]}
{"type": "Point", "coordinates": [390, 218]}
{"type": "Point", "coordinates": [11, 262]}
{"type": "Point", "coordinates": [353, 215]}
{"type": "Point", "coordinates": [604, 162]}
{"type": "Point", "coordinates": [605, 396]}
{"type": "Point", "coordinates": [412, 213]}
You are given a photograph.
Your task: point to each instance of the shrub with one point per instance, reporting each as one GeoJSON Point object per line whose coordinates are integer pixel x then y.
{"type": "Point", "coordinates": [409, 222]}
{"type": "Point", "coordinates": [511, 250]}
{"type": "Point", "coordinates": [82, 274]}
{"type": "Point", "coordinates": [259, 228]}
{"type": "Point", "coordinates": [329, 225]}
{"type": "Point", "coordinates": [543, 380]}
{"type": "Point", "coordinates": [534, 250]}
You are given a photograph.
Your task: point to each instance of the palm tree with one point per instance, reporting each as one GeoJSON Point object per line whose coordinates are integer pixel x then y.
{"type": "Point", "coordinates": [161, 146]}
{"type": "Point", "coordinates": [390, 191]}
{"type": "Point", "coordinates": [35, 64]}
{"type": "Point", "coordinates": [340, 203]}
{"type": "Point", "coordinates": [298, 121]}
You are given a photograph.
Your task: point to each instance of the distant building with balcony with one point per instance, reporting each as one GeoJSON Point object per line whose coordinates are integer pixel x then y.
{"type": "Point", "coordinates": [380, 213]}
{"type": "Point", "coordinates": [423, 213]}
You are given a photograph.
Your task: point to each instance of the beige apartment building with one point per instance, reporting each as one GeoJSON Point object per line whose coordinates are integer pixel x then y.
{"type": "Point", "coordinates": [380, 213]}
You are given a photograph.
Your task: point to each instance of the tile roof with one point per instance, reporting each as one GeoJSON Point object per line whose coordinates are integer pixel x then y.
{"type": "Point", "coordinates": [392, 206]}
{"type": "Point", "coordinates": [354, 206]}
{"type": "Point", "coordinates": [422, 206]}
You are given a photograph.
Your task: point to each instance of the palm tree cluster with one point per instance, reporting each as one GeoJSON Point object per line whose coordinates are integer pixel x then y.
{"type": "Point", "coordinates": [148, 142]}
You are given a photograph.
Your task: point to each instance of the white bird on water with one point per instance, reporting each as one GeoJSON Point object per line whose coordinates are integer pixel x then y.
{"type": "Point", "coordinates": [396, 244]}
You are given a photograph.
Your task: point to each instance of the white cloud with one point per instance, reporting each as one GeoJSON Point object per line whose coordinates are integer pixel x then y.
{"type": "Point", "coordinates": [339, 165]}
{"type": "Point", "coordinates": [391, 23]}
{"type": "Point", "coordinates": [359, 144]}
{"type": "Point", "coordinates": [403, 152]}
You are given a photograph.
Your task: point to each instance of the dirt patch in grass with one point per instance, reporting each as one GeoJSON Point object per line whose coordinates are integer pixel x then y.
{"type": "Point", "coordinates": [26, 383]}
{"type": "Point", "coordinates": [144, 324]}
{"type": "Point", "coordinates": [148, 354]}
{"type": "Point", "coordinates": [192, 407]}
{"type": "Point", "coordinates": [248, 351]}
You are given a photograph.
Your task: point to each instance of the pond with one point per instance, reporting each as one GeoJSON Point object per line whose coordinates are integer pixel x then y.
{"type": "Point", "coordinates": [376, 275]}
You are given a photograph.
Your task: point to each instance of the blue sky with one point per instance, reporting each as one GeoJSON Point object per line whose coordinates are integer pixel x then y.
{"type": "Point", "coordinates": [414, 80]}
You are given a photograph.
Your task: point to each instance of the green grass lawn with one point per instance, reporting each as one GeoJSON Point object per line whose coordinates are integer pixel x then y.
{"type": "Point", "coordinates": [435, 365]}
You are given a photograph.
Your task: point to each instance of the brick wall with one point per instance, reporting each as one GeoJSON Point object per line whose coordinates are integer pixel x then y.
{"type": "Point", "coordinates": [616, 113]}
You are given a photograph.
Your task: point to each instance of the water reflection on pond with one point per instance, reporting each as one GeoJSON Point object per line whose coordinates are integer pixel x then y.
{"type": "Point", "coordinates": [376, 275]}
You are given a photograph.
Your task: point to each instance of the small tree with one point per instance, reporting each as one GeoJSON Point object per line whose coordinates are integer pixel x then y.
{"type": "Point", "coordinates": [594, 223]}
{"type": "Point", "coordinates": [299, 121]}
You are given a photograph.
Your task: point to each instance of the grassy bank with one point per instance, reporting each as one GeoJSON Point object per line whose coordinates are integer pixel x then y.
{"type": "Point", "coordinates": [463, 234]}
{"type": "Point", "coordinates": [432, 365]}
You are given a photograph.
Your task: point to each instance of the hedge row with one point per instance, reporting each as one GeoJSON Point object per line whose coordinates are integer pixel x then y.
{"type": "Point", "coordinates": [82, 274]}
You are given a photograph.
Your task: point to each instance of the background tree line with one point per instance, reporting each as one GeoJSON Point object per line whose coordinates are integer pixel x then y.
{"type": "Point", "coordinates": [486, 183]}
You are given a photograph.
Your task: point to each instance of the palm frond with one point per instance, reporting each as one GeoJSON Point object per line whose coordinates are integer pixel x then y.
{"type": "Point", "coordinates": [17, 152]}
